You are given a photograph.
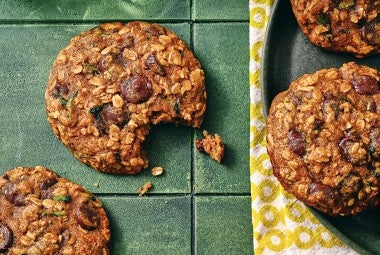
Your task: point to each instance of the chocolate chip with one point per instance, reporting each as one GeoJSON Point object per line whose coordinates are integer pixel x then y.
{"type": "Point", "coordinates": [86, 216]}
{"type": "Point", "coordinates": [119, 59]}
{"type": "Point", "coordinates": [60, 90]}
{"type": "Point", "coordinates": [6, 237]}
{"type": "Point", "coordinates": [101, 126]}
{"type": "Point", "coordinates": [297, 142]}
{"type": "Point", "coordinates": [331, 104]}
{"type": "Point", "coordinates": [325, 193]}
{"type": "Point", "coordinates": [128, 42]}
{"type": "Point", "coordinates": [151, 63]}
{"type": "Point", "coordinates": [151, 60]}
{"type": "Point", "coordinates": [136, 90]}
{"type": "Point", "coordinates": [11, 194]}
{"type": "Point", "coordinates": [318, 123]}
{"type": "Point", "coordinates": [106, 114]}
{"type": "Point", "coordinates": [365, 85]}
{"type": "Point", "coordinates": [48, 183]}
{"type": "Point", "coordinates": [359, 155]}
{"type": "Point", "coordinates": [104, 62]}
{"type": "Point", "coordinates": [154, 30]}
{"type": "Point", "coordinates": [295, 99]}
{"type": "Point", "coordinates": [318, 187]}
{"type": "Point", "coordinates": [5, 176]}
{"type": "Point", "coordinates": [111, 115]}
{"type": "Point", "coordinates": [47, 193]}
{"type": "Point", "coordinates": [349, 185]}
{"type": "Point", "coordinates": [367, 32]}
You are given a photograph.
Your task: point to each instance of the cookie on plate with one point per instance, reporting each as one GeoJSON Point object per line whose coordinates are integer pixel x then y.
{"type": "Point", "coordinates": [323, 139]}
{"type": "Point", "coordinates": [111, 83]}
{"type": "Point", "coordinates": [341, 25]}
{"type": "Point", "coordinates": [43, 213]}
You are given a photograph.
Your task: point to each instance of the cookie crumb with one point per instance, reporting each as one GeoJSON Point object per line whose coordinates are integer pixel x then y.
{"type": "Point", "coordinates": [212, 145]}
{"type": "Point", "coordinates": [144, 189]}
{"type": "Point", "coordinates": [96, 184]}
{"type": "Point", "coordinates": [156, 171]}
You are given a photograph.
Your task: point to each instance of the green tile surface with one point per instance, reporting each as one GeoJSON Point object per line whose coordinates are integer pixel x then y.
{"type": "Point", "coordinates": [77, 10]}
{"type": "Point", "coordinates": [150, 225]}
{"type": "Point", "coordinates": [222, 49]}
{"type": "Point", "coordinates": [218, 229]}
{"type": "Point", "coordinates": [220, 10]}
{"type": "Point", "coordinates": [196, 198]}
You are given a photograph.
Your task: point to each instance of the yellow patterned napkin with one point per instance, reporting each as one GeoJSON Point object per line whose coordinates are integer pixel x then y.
{"type": "Point", "coordinates": [282, 224]}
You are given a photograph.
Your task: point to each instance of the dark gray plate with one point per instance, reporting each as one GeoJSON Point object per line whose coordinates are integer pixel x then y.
{"type": "Point", "coordinates": [287, 55]}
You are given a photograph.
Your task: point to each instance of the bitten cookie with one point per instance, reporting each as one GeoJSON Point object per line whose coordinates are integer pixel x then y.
{"type": "Point", "coordinates": [111, 83]}
{"type": "Point", "coordinates": [341, 25]}
{"type": "Point", "coordinates": [42, 213]}
{"type": "Point", "coordinates": [323, 139]}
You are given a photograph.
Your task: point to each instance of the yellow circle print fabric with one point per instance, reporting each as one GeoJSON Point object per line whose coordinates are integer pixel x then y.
{"type": "Point", "coordinates": [281, 224]}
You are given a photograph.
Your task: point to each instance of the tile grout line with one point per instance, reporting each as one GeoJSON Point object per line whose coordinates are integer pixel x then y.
{"type": "Point", "coordinates": [74, 22]}
{"type": "Point", "coordinates": [192, 179]}
{"type": "Point", "coordinates": [155, 195]}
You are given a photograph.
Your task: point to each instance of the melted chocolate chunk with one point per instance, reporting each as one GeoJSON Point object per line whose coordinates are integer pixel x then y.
{"type": "Point", "coordinates": [346, 144]}
{"type": "Point", "coordinates": [106, 114]}
{"type": "Point", "coordinates": [86, 216]}
{"type": "Point", "coordinates": [297, 142]}
{"type": "Point", "coordinates": [151, 63]}
{"type": "Point", "coordinates": [60, 90]}
{"type": "Point", "coordinates": [137, 89]}
{"type": "Point", "coordinates": [11, 194]}
{"type": "Point", "coordinates": [365, 85]}
{"type": "Point", "coordinates": [326, 192]}
{"type": "Point", "coordinates": [6, 237]}
{"type": "Point", "coordinates": [48, 183]}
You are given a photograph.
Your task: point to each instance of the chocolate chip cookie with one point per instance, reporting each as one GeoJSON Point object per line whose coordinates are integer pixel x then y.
{"type": "Point", "coordinates": [43, 213]}
{"type": "Point", "coordinates": [341, 25]}
{"type": "Point", "coordinates": [111, 83]}
{"type": "Point", "coordinates": [323, 139]}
